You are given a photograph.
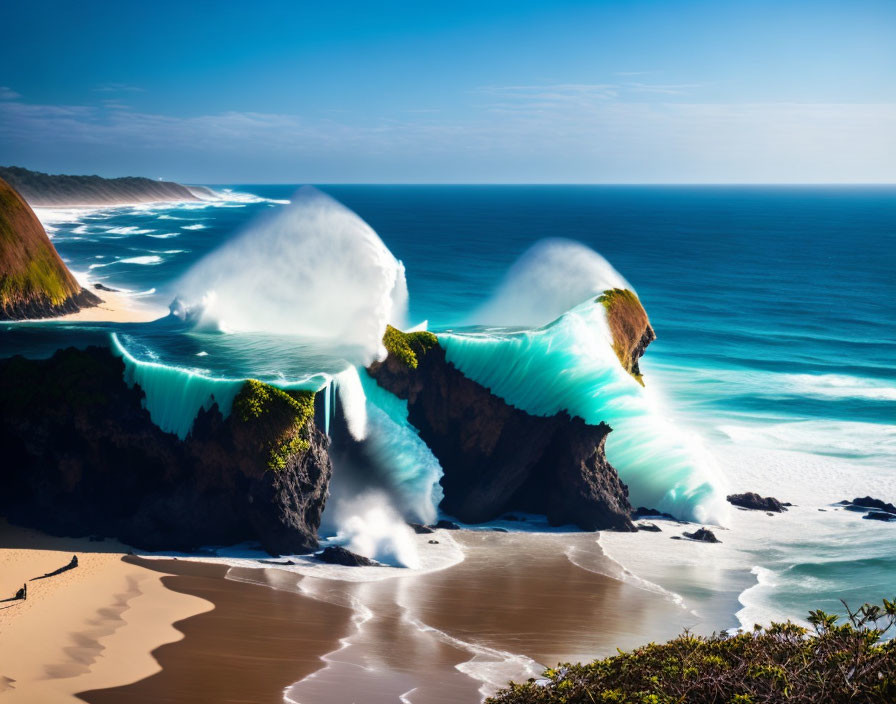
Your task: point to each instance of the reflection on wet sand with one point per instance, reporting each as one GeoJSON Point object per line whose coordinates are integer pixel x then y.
{"type": "Point", "coordinates": [249, 648]}
{"type": "Point", "coordinates": [515, 604]}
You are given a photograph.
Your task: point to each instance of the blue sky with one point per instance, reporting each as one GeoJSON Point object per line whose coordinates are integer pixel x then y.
{"type": "Point", "coordinates": [517, 91]}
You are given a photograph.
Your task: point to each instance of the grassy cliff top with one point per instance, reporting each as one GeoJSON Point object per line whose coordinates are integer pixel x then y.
{"type": "Point", "coordinates": [280, 419]}
{"type": "Point", "coordinates": [407, 345]}
{"type": "Point", "coordinates": [628, 323]}
{"type": "Point", "coordinates": [30, 267]}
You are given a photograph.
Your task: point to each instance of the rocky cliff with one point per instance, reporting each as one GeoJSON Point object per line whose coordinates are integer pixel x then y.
{"type": "Point", "coordinates": [497, 458]}
{"type": "Point", "coordinates": [81, 456]}
{"type": "Point", "coordinates": [34, 281]}
{"type": "Point", "coordinates": [630, 327]}
{"type": "Point", "coordinates": [41, 189]}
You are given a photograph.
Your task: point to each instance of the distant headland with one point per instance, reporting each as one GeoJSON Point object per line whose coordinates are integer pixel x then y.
{"type": "Point", "coordinates": [34, 281]}
{"type": "Point", "coordinates": [56, 190]}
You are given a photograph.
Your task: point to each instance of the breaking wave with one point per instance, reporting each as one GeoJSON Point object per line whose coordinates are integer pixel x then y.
{"type": "Point", "coordinates": [551, 277]}
{"type": "Point", "coordinates": [312, 269]}
{"type": "Point", "coordinates": [569, 365]}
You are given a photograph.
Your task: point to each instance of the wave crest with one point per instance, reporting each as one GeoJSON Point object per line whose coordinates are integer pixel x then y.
{"type": "Point", "coordinates": [551, 277]}
{"type": "Point", "coordinates": [313, 269]}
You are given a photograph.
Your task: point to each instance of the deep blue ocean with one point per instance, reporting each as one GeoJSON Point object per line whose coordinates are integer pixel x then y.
{"type": "Point", "coordinates": [773, 307]}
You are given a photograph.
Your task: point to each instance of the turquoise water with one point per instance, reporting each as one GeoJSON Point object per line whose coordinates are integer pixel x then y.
{"type": "Point", "coordinates": [774, 367]}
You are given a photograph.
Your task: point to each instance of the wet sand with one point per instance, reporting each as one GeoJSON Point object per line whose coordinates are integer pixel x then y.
{"type": "Point", "coordinates": [254, 644]}
{"type": "Point", "coordinates": [520, 593]}
{"type": "Point", "coordinates": [515, 605]}
{"type": "Point", "coordinates": [116, 307]}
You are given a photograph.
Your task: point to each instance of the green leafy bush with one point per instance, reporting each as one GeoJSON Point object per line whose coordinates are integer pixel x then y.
{"type": "Point", "coordinates": [280, 419]}
{"type": "Point", "coordinates": [407, 345]}
{"type": "Point", "coordinates": [830, 663]}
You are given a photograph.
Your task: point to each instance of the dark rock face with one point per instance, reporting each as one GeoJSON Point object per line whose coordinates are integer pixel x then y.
{"type": "Point", "coordinates": [649, 527]}
{"type": "Point", "coordinates": [44, 308]}
{"type": "Point", "coordinates": [756, 502]}
{"type": "Point", "coordinates": [336, 555]}
{"type": "Point", "coordinates": [642, 512]}
{"type": "Point", "coordinates": [447, 525]}
{"type": "Point", "coordinates": [82, 457]}
{"type": "Point", "coordinates": [703, 535]}
{"type": "Point", "coordinates": [880, 516]}
{"type": "Point", "coordinates": [497, 458]}
{"type": "Point", "coordinates": [869, 502]}
{"type": "Point", "coordinates": [420, 529]}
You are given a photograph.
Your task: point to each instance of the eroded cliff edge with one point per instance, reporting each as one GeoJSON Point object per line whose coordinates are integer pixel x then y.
{"type": "Point", "coordinates": [82, 456]}
{"type": "Point", "coordinates": [497, 458]}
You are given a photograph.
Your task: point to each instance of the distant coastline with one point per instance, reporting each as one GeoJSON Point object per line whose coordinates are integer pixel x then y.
{"type": "Point", "coordinates": [63, 190]}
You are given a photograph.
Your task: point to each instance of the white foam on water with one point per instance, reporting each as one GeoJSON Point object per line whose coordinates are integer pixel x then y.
{"type": "Point", "coordinates": [492, 667]}
{"type": "Point", "coordinates": [128, 230]}
{"type": "Point", "coordinates": [550, 278]}
{"type": "Point", "coordinates": [197, 226]}
{"type": "Point", "coordinates": [608, 567]}
{"type": "Point", "coordinates": [873, 442]}
{"type": "Point", "coordinates": [761, 550]}
{"type": "Point", "coordinates": [146, 260]}
{"type": "Point", "coordinates": [313, 269]}
{"type": "Point", "coordinates": [839, 386]}
{"type": "Point", "coordinates": [370, 526]}
{"type": "Point", "coordinates": [432, 558]}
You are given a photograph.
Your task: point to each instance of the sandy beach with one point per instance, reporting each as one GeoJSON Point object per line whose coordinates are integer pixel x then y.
{"type": "Point", "coordinates": [93, 626]}
{"type": "Point", "coordinates": [121, 628]}
{"type": "Point", "coordinates": [261, 637]}
{"type": "Point", "coordinates": [116, 307]}
{"type": "Point", "coordinates": [515, 605]}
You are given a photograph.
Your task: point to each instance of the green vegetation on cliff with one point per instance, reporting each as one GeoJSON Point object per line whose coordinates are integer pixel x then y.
{"type": "Point", "coordinates": [629, 325]}
{"type": "Point", "coordinates": [407, 345]}
{"type": "Point", "coordinates": [281, 416]}
{"type": "Point", "coordinates": [31, 272]}
{"type": "Point", "coordinates": [784, 663]}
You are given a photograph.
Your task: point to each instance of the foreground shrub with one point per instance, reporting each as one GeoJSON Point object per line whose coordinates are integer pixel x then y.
{"type": "Point", "coordinates": [829, 663]}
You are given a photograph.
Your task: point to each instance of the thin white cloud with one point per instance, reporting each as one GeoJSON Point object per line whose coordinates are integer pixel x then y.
{"type": "Point", "coordinates": [586, 139]}
{"type": "Point", "coordinates": [663, 89]}
{"type": "Point", "coordinates": [7, 93]}
{"type": "Point", "coordinates": [553, 91]}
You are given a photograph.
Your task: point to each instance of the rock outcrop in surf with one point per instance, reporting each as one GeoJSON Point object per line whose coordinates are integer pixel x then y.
{"type": "Point", "coordinates": [630, 327]}
{"type": "Point", "coordinates": [34, 281]}
{"type": "Point", "coordinates": [754, 502]}
{"type": "Point", "coordinates": [497, 458]}
{"type": "Point", "coordinates": [41, 189]}
{"type": "Point", "coordinates": [83, 457]}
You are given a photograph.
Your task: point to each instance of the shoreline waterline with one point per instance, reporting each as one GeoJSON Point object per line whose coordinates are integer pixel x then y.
{"type": "Point", "coordinates": [513, 605]}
